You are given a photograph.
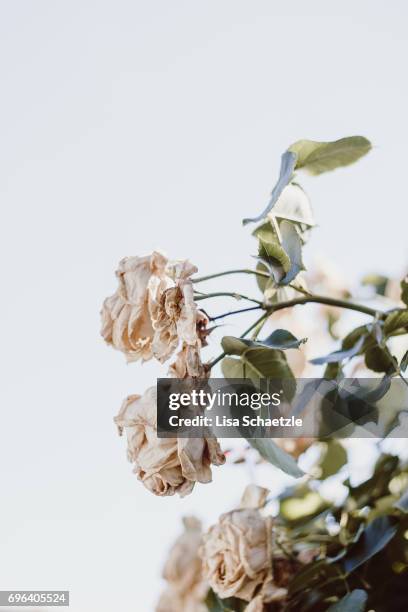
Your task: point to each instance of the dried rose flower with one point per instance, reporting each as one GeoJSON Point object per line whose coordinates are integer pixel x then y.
{"type": "Point", "coordinates": [126, 318]}
{"type": "Point", "coordinates": [164, 465]}
{"type": "Point", "coordinates": [238, 554]}
{"type": "Point", "coordinates": [153, 312]}
{"type": "Point", "coordinates": [186, 590]}
{"type": "Point", "coordinates": [174, 312]}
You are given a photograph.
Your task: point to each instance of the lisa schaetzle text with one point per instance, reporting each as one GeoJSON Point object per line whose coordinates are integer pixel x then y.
{"type": "Point", "coordinates": [221, 420]}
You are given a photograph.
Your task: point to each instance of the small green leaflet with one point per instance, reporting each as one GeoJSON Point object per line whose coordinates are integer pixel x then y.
{"type": "Point", "coordinates": [271, 251]}
{"type": "Point", "coordinates": [280, 250]}
{"type": "Point", "coordinates": [333, 459]}
{"type": "Point", "coordinates": [404, 362]}
{"type": "Point", "coordinates": [314, 157]}
{"type": "Point", "coordinates": [395, 321]}
{"type": "Point", "coordinates": [279, 339]}
{"type": "Point", "coordinates": [288, 162]}
{"type": "Point", "coordinates": [276, 456]}
{"type": "Point", "coordinates": [340, 355]}
{"type": "Point", "coordinates": [259, 362]}
{"type": "Point", "coordinates": [318, 157]}
{"type": "Point", "coordinates": [404, 290]}
{"type": "Point", "coordinates": [373, 539]}
{"type": "Point", "coordinates": [292, 245]}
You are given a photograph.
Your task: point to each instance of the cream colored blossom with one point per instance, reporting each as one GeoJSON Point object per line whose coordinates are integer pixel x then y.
{"type": "Point", "coordinates": [174, 312]}
{"type": "Point", "coordinates": [126, 318]}
{"type": "Point", "coordinates": [186, 590]}
{"type": "Point", "coordinates": [164, 465]}
{"type": "Point", "coordinates": [153, 312]}
{"type": "Point", "coordinates": [237, 554]}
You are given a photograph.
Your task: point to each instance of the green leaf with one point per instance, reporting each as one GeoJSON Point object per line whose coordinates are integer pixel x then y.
{"type": "Point", "coordinates": [279, 339]}
{"type": "Point", "coordinates": [301, 508]}
{"type": "Point", "coordinates": [402, 503]}
{"type": "Point", "coordinates": [404, 290]}
{"type": "Point", "coordinates": [292, 244]}
{"type": "Point", "coordinates": [233, 368]}
{"type": "Point", "coordinates": [333, 370]}
{"type": "Point", "coordinates": [337, 356]}
{"type": "Point", "coordinates": [404, 362]}
{"type": "Point", "coordinates": [353, 602]}
{"type": "Point", "coordinates": [276, 456]}
{"type": "Point", "coordinates": [309, 574]}
{"type": "Point", "coordinates": [378, 359]}
{"type": "Point", "coordinates": [377, 281]}
{"type": "Point", "coordinates": [373, 539]}
{"type": "Point", "coordinates": [256, 363]}
{"type": "Point", "coordinates": [352, 337]}
{"type": "Point", "coordinates": [231, 604]}
{"type": "Point", "coordinates": [317, 157]}
{"type": "Point", "coordinates": [333, 459]}
{"type": "Point", "coordinates": [265, 284]}
{"type": "Point", "coordinates": [271, 250]}
{"type": "Point", "coordinates": [395, 321]}
{"type": "Point", "coordinates": [288, 161]}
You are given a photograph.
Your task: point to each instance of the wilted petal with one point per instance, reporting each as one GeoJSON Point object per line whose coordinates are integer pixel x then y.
{"type": "Point", "coordinates": [164, 465]}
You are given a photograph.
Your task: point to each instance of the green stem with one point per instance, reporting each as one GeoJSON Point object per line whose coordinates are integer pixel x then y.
{"type": "Point", "coordinates": [237, 296]}
{"type": "Point", "coordinates": [227, 272]}
{"type": "Point", "coordinates": [320, 299]}
{"type": "Point", "coordinates": [234, 312]}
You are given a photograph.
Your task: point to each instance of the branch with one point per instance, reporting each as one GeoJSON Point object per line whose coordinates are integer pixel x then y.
{"type": "Point", "coordinates": [234, 312]}
{"type": "Point", "coordinates": [227, 272]}
{"type": "Point", "coordinates": [237, 296]}
{"type": "Point", "coordinates": [320, 299]}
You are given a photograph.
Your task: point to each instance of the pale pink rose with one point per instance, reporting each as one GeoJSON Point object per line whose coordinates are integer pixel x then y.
{"type": "Point", "coordinates": [164, 465]}
{"type": "Point", "coordinates": [126, 318]}
{"type": "Point", "coordinates": [153, 312]}
{"type": "Point", "coordinates": [186, 590]}
{"type": "Point", "coordinates": [174, 312]}
{"type": "Point", "coordinates": [238, 554]}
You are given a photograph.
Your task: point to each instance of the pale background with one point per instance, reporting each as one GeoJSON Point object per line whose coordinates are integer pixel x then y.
{"type": "Point", "coordinates": [133, 125]}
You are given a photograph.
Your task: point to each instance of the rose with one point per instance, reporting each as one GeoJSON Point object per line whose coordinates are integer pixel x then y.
{"type": "Point", "coordinates": [237, 553]}
{"type": "Point", "coordinates": [186, 590]}
{"type": "Point", "coordinates": [126, 317]}
{"type": "Point", "coordinates": [164, 465]}
{"type": "Point", "coordinates": [174, 312]}
{"type": "Point", "coordinates": [153, 311]}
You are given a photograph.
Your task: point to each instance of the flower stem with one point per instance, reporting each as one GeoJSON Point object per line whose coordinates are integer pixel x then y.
{"type": "Point", "coordinates": [320, 299]}
{"type": "Point", "coordinates": [233, 312]}
{"type": "Point", "coordinates": [227, 272]}
{"type": "Point", "coordinates": [237, 296]}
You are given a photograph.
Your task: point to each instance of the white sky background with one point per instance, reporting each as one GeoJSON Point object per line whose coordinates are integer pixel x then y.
{"type": "Point", "coordinates": [128, 126]}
